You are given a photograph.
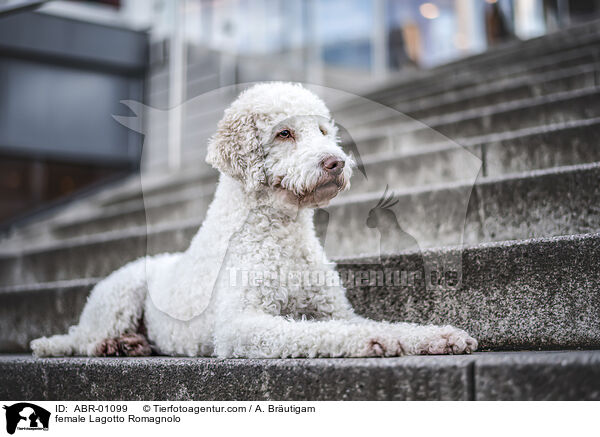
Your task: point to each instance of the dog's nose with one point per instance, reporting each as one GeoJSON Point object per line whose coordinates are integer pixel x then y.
{"type": "Point", "coordinates": [333, 165]}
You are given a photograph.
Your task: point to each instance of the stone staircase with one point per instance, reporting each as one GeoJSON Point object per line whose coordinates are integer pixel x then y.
{"type": "Point", "coordinates": [494, 161]}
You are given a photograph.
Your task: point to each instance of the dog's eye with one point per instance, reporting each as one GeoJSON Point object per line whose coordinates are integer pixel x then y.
{"type": "Point", "coordinates": [323, 130]}
{"type": "Point", "coordinates": [284, 134]}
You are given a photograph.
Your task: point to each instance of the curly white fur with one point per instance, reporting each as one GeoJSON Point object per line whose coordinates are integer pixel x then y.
{"type": "Point", "coordinates": [259, 221]}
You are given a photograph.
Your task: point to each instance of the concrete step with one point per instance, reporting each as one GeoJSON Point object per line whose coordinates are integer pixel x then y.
{"type": "Point", "coordinates": [540, 203]}
{"type": "Point", "coordinates": [29, 311]}
{"type": "Point", "coordinates": [537, 65]}
{"type": "Point", "coordinates": [557, 145]}
{"type": "Point", "coordinates": [462, 74]}
{"type": "Point", "coordinates": [519, 50]}
{"type": "Point", "coordinates": [539, 293]}
{"type": "Point", "coordinates": [551, 202]}
{"type": "Point", "coordinates": [168, 183]}
{"type": "Point", "coordinates": [569, 375]}
{"type": "Point", "coordinates": [515, 115]}
{"type": "Point", "coordinates": [115, 207]}
{"type": "Point", "coordinates": [519, 88]}
{"type": "Point", "coordinates": [72, 258]}
{"type": "Point", "coordinates": [436, 86]}
{"type": "Point", "coordinates": [38, 229]}
{"type": "Point", "coordinates": [149, 210]}
{"type": "Point", "coordinates": [486, 94]}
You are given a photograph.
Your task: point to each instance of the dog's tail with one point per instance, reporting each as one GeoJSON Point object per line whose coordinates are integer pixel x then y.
{"type": "Point", "coordinates": [113, 309]}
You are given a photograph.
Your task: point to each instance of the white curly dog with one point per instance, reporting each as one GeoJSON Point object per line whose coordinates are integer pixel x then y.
{"type": "Point", "coordinates": [279, 158]}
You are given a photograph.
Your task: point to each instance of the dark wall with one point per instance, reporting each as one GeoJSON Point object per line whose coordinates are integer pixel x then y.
{"type": "Point", "coordinates": [61, 80]}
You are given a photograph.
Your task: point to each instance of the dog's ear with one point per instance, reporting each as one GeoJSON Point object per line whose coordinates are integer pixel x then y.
{"type": "Point", "coordinates": [235, 149]}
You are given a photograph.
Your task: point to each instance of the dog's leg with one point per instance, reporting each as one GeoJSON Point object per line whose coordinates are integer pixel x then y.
{"type": "Point", "coordinates": [415, 339]}
{"type": "Point", "coordinates": [254, 336]}
{"type": "Point", "coordinates": [425, 339]}
{"type": "Point", "coordinates": [113, 311]}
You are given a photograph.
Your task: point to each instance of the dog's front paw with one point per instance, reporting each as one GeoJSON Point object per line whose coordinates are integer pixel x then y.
{"type": "Point", "coordinates": [127, 345]}
{"type": "Point", "coordinates": [134, 345]}
{"type": "Point", "coordinates": [383, 347]}
{"type": "Point", "coordinates": [107, 348]}
{"type": "Point", "coordinates": [446, 340]}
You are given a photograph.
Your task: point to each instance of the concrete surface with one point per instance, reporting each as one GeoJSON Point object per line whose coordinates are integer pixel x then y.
{"type": "Point", "coordinates": [514, 295]}
{"type": "Point", "coordinates": [573, 375]}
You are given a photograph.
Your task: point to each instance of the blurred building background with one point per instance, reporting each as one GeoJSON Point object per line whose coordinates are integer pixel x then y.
{"type": "Point", "coordinates": [66, 65]}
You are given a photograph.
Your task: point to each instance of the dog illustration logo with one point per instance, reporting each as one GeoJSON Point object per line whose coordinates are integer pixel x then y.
{"type": "Point", "coordinates": [26, 416]}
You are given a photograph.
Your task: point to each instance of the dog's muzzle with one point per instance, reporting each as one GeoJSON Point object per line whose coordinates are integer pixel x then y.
{"type": "Point", "coordinates": [330, 183]}
{"type": "Point", "coordinates": [325, 191]}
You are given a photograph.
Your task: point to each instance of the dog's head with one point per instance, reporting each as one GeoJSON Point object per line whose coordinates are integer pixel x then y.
{"type": "Point", "coordinates": [280, 137]}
